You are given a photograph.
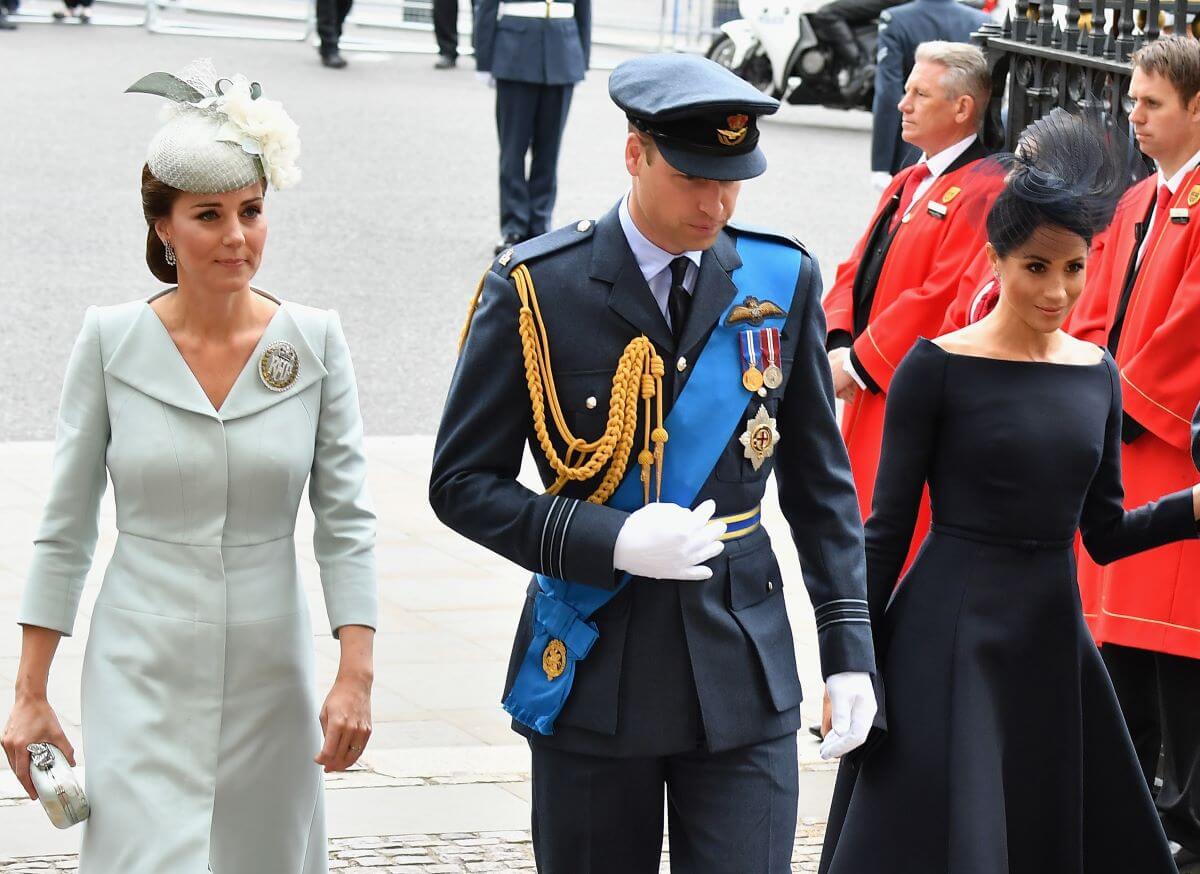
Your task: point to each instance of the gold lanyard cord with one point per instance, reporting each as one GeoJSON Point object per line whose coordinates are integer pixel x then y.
{"type": "Point", "coordinates": [638, 375]}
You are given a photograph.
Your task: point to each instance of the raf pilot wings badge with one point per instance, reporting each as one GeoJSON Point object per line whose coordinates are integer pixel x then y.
{"type": "Point", "coordinates": [754, 311]}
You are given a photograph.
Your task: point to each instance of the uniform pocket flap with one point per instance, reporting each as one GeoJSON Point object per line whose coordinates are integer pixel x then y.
{"type": "Point", "coordinates": [753, 577]}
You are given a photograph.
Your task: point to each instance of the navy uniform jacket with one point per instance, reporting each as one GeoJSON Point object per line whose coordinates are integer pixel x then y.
{"type": "Point", "coordinates": [545, 51]}
{"type": "Point", "coordinates": [678, 665]}
{"type": "Point", "coordinates": [901, 30]}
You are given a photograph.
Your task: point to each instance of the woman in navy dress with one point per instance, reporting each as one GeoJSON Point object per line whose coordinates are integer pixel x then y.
{"type": "Point", "coordinates": [1005, 751]}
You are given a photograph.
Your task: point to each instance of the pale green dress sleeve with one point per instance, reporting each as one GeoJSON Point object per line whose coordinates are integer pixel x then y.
{"type": "Point", "coordinates": [66, 539]}
{"type": "Point", "coordinates": [344, 536]}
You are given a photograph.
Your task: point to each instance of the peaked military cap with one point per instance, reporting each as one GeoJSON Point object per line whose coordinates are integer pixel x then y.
{"type": "Point", "coordinates": [703, 118]}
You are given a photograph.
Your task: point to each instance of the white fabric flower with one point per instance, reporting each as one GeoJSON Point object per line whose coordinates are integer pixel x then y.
{"type": "Point", "coordinates": [261, 127]}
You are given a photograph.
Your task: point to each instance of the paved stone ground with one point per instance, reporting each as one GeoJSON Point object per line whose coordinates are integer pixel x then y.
{"type": "Point", "coordinates": [454, 853]}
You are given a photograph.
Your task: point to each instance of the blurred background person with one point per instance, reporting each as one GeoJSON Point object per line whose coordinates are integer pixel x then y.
{"type": "Point", "coordinates": [901, 30]}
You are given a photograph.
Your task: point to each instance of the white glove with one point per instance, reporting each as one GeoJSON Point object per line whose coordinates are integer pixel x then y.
{"type": "Point", "coordinates": [669, 542]}
{"type": "Point", "coordinates": [852, 710]}
{"type": "Point", "coordinates": [486, 78]}
{"type": "Point", "coordinates": [880, 179]}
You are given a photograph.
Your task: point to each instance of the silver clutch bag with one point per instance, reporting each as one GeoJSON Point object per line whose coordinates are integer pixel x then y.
{"type": "Point", "coordinates": [57, 789]}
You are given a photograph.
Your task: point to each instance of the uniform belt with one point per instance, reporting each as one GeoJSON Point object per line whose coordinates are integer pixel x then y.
{"type": "Point", "coordinates": [538, 10]}
{"type": "Point", "coordinates": [999, 539]}
{"type": "Point", "coordinates": [741, 524]}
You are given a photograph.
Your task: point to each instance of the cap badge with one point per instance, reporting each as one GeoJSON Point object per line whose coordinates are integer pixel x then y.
{"type": "Point", "coordinates": [505, 257]}
{"type": "Point", "coordinates": [754, 311]}
{"type": "Point", "coordinates": [1194, 195]}
{"type": "Point", "coordinates": [279, 366]}
{"type": "Point", "coordinates": [554, 659]}
{"type": "Point", "coordinates": [738, 128]}
{"type": "Point", "coordinates": [951, 193]}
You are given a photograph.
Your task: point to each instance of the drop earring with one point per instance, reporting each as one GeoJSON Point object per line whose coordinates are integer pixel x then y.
{"type": "Point", "coordinates": [170, 252]}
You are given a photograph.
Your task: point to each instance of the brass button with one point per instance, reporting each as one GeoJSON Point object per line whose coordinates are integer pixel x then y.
{"type": "Point", "coordinates": [583, 226]}
{"type": "Point", "coordinates": [591, 403]}
{"type": "Point", "coordinates": [681, 364]}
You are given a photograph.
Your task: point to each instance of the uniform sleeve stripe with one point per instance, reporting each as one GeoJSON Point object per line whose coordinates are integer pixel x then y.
{"type": "Point", "coordinates": [546, 524]}
{"type": "Point", "coordinates": [559, 511]}
{"type": "Point", "coordinates": [563, 540]}
{"type": "Point", "coordinates": [823, 625]}
{"type": "Point", "coordinates": [840, 604]}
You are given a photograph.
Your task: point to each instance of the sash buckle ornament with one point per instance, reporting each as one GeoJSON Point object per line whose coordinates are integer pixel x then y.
{"type": "Point", "coordinates": [554, 659]}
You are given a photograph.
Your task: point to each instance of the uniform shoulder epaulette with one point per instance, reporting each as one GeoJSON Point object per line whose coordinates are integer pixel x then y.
{"type": "Point", "coordinates": [539, 247]}
{"type": "Point", "coordinates": [767, 233]}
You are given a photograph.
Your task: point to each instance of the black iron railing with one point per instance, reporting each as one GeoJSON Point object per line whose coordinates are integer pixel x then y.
{"type": "Point", "coordinates": [1037, 64]}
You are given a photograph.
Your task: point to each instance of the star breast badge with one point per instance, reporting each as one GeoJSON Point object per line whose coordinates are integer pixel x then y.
{"type": "Point", "coordinates": [760, 437]}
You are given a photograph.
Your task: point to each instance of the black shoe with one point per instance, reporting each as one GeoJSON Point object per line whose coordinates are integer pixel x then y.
{"type": "Point", "coordinates": [445, 62]}
{"type": "Point", "coordinates": [507, 242]}
{"type": "Point", "coordinates": [333, 60]}
{"type": "Point", "coordinates": [5, 24]}
{"type": "Point", "coordinates": [85, 17]}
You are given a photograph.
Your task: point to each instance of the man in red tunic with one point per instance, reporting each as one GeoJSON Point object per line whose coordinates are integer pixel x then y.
{"type": "Point", "coordinates": [907, 268]}
{"type": "Point", "coordinates": [1142, 300]}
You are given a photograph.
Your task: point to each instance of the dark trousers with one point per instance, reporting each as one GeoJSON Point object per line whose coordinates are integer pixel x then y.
{"type": "Point", "coordinates": [728, 812]}
{"type": "Point", "coordinates": [331, 16]}
{"type": "Point", "coordinates": [1160, 698]}
{"type": "Point", "coordinates": [445, 26]}
{"type": "Point", "coordinates": [529, 118]}
{"type": "Point", "coordinates": [834, 21]}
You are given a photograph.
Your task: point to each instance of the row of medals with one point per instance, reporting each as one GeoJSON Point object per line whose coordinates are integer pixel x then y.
{"type": "Point", "coordinates": [760, 359]}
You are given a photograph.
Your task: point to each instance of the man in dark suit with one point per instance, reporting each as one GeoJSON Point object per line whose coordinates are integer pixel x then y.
{"type": "Point", "coordinates": [331, 17]}
{"type": "Point", "coordinates": [535, 52]}
{"type": "Point", "coordinates": [649, 662]}
{"type": "Point", "coordinates": [445, 31]}
{"type": "Point", "coordinates": [901, 30]}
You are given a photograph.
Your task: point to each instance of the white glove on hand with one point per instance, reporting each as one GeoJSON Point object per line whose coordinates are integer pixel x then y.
{"type": "Point", "coordinates": [852, 705]}
{"type": "Point", "coordinates": [669, 542]}
{"type": "Point", "coordinates": [880, 179]}
{"type": "Point", "coordinates": [486, 78]}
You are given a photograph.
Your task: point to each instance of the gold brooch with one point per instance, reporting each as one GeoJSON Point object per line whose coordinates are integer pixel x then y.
{"type": "Point", "coordinates": [279, 366]}
{"type": "Point", "coordinates": [760, 437]}
{"type": "Point", "coordinates": [1194, 195]}
{"type": "Point", "coordinates": [554, 659]}
{"type": "Point", "coordinates": [952, 192]}
{"type": "Point", "coordinates": [738, 128]}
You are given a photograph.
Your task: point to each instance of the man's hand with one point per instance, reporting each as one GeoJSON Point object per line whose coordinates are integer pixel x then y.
{"type": "Point", "coordinates": [880, 179]}
{"type": "Point", "coordinates": [844, 385]}
{"type": "Point", "coordinates": [665, 541]}
{"type": "Point", "coordinates": [485, 78]}
{"type": "Point", "coordinates": [852, 710]}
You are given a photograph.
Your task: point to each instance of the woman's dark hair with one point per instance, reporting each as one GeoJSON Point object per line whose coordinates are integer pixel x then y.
{"type": "Point", "coordinates": [158, 198]}
{"type": "Point", "coordinates": [1067, 172]}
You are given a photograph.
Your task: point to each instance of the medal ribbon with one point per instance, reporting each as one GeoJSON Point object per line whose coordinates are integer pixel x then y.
{"type": "Point", "coordinates": [749, 346]}
{"type": "Point", "coordinates": [769, 338]}
{"type": "Point", "coordinates": [709, 409]}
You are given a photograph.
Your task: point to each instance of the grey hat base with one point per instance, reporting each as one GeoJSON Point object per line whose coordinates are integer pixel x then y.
{"type": "Point", "coordinates": [721, 168]}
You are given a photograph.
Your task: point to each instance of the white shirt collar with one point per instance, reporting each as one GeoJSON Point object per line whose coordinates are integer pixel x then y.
{"type": "Point", "coordinates": [1175, 181]}
{"type": "Point", "coordinates": [940, 163]}
{"type": "Point", "coordinates": [650, 258]}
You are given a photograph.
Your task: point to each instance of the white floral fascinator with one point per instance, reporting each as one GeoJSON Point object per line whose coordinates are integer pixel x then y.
{"type": "Point", "coordinates": [221, 134]}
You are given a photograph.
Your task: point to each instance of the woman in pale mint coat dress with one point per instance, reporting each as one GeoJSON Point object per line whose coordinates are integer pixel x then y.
{"type": "Point", "coordinates": [209, 406]}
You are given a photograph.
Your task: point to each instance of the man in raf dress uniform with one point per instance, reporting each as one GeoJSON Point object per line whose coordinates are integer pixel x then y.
{"type": "Point", "coordinates": [535, 52]}
{"type": "Point", "coordinates": [1142, 300]}
{"type": "Point", "coordinates": [660, 363]}
{"type": "Point", "coordinates": [906, 270]}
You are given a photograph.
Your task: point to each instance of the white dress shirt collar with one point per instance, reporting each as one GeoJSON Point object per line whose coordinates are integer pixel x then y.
{"type": "Point", "coordinates": [940, 163]}
{"type": "Point", "coordinates": [1175, 181]}
{"type": "Point", "coordinates": [650, 258]}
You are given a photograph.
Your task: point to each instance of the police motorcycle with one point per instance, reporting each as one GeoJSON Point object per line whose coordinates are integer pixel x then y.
{"type": "Point", "coordinates": [774, 47]}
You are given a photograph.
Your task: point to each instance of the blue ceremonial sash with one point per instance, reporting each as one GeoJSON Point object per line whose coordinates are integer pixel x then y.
{"type": "Point", "coordinates": [707, 411]}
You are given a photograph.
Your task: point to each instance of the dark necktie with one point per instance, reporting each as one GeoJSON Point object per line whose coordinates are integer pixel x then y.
{"type": "Point", "coordinates": [678, 301]}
